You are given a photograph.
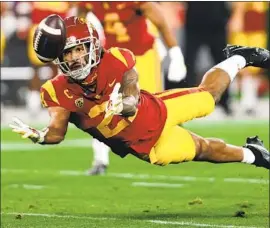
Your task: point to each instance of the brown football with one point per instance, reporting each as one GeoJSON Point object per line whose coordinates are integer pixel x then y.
{"type": "Point", "coordinates": [50, 38]}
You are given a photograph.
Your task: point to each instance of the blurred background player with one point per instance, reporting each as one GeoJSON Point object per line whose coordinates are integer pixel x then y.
{"type": "Point", "coordinates": [248, 27]}
{"type": "Point", "coordinates": [126, 25]}
{"type": "Point", "coordinates": [40, 10]}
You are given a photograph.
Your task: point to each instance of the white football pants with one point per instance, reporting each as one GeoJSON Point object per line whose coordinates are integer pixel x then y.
{"type": "Point", "coordinates": [101, 153]}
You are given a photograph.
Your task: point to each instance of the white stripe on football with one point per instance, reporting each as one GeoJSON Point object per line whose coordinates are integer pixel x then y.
{"type": "Point", "coordinates": [44, 59]}
{"type": "Point", "coordinates": [48, 29]}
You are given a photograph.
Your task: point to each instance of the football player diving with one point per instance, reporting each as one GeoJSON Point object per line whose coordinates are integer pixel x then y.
{"type": "Point", "coordinates": [98, 92]}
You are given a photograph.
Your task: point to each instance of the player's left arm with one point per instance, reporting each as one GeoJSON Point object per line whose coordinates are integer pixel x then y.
{"type": "Point", "coordinates": [130, 92]}
{"type": "Point", "coordinates": [154, 12]}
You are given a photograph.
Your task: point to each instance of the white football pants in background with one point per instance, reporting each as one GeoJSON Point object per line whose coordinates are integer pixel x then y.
{"type": "Point", "coordinates": [101, 153]}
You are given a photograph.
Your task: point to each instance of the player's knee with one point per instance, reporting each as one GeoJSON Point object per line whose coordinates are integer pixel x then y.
{"type": "Point", "coordinates": [211, 90]}
{"type": "Point", "coordinates": [215, 81]}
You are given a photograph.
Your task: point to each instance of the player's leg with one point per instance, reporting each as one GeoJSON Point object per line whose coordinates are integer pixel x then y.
{"type": "Point", "coordinates": [183, 105]}
{"type": "Point", "coordinates": [101, 158]}
{"type": "Point", "coordinates": [217, 151]}
{"type": "Point", "coordinates": [215, 81]}
{"type": "Point", "coordinates": [177, 144]}
{"type": "Point", "coordinates": [218, 78]}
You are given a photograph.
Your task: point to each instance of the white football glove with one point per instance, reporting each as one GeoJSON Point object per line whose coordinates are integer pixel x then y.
{"type": "Point", "coordinates": [27, 132]}
{"type": "Point", "coordinates": [177, 69]}
{"type": "Point", "coordinates": [115, 104]}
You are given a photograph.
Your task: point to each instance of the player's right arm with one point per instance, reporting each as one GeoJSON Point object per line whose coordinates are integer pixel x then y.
{"type": "Point", "coordinates": [125, 95]}
{"type": "Point", "coordinates": [131, 92]}
{"type": "Point", "coordinates": [59, 116]}
{"type": "Point", "coordinates": [53, 134]}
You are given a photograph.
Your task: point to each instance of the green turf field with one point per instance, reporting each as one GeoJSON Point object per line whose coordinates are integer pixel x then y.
{"type": "Point", "coordinates": [46, 186]}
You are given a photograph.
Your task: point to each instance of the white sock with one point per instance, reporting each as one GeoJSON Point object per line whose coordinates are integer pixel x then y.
{"type": "Point", "coordinates": [232, 65]}
{"type": "Point", "coordinates": [248, 156]}
{"type": "Point", "coordinates": [101, 153]}
{"type": "Point", "coordinates": [249, 87]}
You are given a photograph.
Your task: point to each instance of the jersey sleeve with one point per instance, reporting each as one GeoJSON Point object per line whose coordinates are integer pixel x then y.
{"type": "Point", "coordinates": [48, 95]}
{"type": "Point", "coordinates": [125, 57]}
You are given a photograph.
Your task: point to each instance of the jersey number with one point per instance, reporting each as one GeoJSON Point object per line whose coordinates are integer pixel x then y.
{"type": "Point", "coordinates": [103, 126]}
{"type": "Point", "coordinates": [115, 27]}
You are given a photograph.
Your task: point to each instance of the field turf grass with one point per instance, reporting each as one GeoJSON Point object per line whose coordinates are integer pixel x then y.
{"type": "Point", "coordinates": [46, 186]}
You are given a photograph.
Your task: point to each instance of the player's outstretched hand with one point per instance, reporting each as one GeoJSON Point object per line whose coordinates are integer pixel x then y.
{"type": "Point", "coordinates": [26, 131]}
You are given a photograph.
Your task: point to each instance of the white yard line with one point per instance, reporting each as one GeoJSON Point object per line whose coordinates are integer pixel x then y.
{"type": "Point", "coordinates": [180, 223]}
{"type": "Point", "coordinates": [161, 177]}
{"type": "Point", "coordinates": [56, 216]}
{"type": "Point", "coordinates": [156, 185]}
{"type": "Point", "coordinates": [198, 224]}
{"type": "Point", "coordinates": [69, 143]}
{"type": "Point", "coordinates": [28, 186]}
{"type": "Point", "coordinates": [139, 176]}
{"type": "Point", "coordinates": [252, 181]}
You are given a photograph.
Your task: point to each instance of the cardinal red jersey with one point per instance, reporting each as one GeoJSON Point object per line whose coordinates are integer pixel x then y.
{"type": "Point", "coordinates": [124, 25]}
{"type": "Point", "coordinates": [138, 133]}
{"type": "Point", "coordinates": [44, 9]}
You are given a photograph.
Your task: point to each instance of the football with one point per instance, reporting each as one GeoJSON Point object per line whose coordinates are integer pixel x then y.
{"type": "Point", "coordinates": [49, 38]}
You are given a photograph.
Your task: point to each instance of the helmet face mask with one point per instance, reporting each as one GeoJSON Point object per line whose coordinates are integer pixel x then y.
{"type": "Point", "coordinates": [80, 33]}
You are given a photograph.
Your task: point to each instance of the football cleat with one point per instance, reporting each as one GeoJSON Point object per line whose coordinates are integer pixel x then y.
{"type": "Point", "coordinates": [257, 57]}
{"type": "Point", "coordinates": [262, 156]}
{"type": "Point", "coordinates": [98, 169]}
